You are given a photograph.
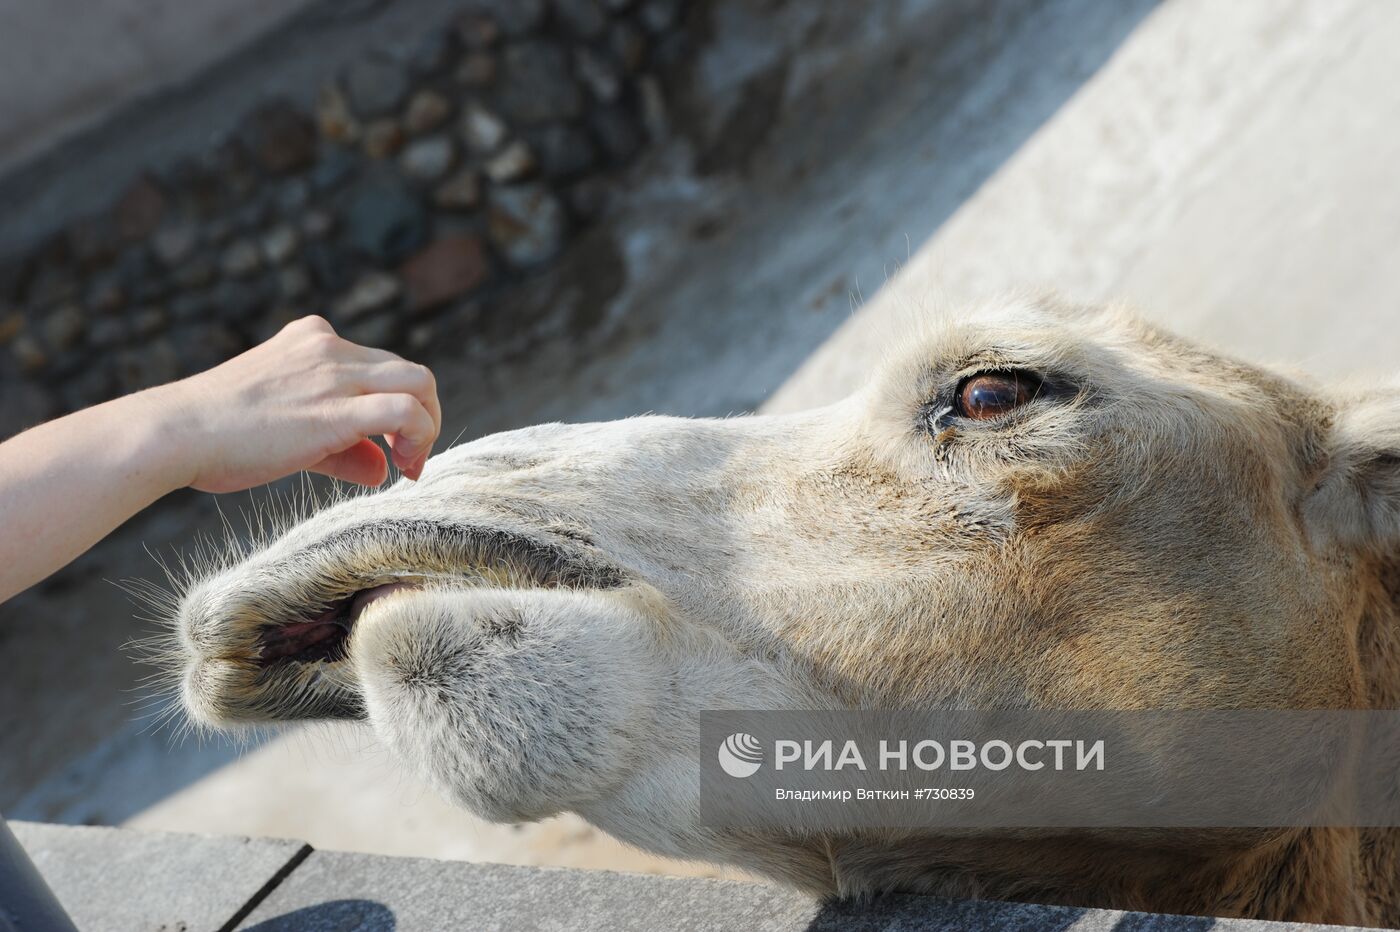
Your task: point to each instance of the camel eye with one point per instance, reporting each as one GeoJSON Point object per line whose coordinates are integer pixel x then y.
{"type": "Point", "coordinates": [990, 395]}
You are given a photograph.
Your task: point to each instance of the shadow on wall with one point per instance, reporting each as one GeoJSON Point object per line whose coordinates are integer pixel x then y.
{"type": "Point", "coordinates": [357, 915]}
{"type": "Point", "coordinates": [372, 916]}
{"type": "Point", "coordinates": [893, 912]}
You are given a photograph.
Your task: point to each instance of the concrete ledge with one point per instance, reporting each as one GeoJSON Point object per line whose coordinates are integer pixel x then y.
{"type": "Point", "coordinates": [115, 879]}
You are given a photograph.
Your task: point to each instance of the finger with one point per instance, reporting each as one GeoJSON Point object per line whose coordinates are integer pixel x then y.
{"type": "Point", "coordinates": [405, 377]}
{"type": "Point", "coordinates": [401, 376]}
{"type": "Point", "coordinates": [363, 463]}
{"type": "Point", "coordinates": [402, 419]}
{"type": "Point", "coordinates": [408, 456]}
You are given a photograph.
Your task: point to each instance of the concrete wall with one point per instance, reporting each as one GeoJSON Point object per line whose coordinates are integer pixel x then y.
{"type": "Point", "coordinates": [66, 64]}
{"type": "Point", "coordinates": [1229, 173]}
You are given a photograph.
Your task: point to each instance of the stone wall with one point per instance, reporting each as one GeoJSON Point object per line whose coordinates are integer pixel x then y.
{"type": "Point", "coordinates": [417, 188]}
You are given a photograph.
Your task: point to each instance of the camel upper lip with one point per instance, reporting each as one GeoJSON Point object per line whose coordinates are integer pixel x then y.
{"type": "Point", "coordinates": [423, 553]}
{"type": "Point", "coordinates": [437, 548]}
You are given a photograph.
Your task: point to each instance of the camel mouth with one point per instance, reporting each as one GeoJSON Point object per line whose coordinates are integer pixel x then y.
{"type": "Point", "coordinates": [326, 637]}
{"type": "Point", "coordinates": [273, 641]}
{"type": "Point", "coordinates": [410, 555]}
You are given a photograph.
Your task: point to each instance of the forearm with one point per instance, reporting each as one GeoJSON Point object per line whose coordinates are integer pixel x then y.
{"type": "Point", "coordinates": [66, 484]}
{"type": "Point", "coordinates": [305, 399]}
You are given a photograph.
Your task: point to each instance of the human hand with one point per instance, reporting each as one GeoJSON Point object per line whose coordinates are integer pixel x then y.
{"type": "Point", "coordinates": [305, 399]}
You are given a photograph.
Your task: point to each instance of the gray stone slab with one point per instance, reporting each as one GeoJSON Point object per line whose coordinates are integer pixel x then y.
{"type": "Point", "coordinates": [336, 891]}
{"type": "Point", "coordinates": [114, 880]}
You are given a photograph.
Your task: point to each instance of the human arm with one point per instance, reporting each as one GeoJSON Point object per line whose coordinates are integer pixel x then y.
{"type": "Point", "coordinates": [305, 399]}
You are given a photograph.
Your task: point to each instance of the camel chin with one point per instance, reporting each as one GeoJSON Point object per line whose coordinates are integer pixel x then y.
{"type": "Point", "coordinates": [1030, 505]}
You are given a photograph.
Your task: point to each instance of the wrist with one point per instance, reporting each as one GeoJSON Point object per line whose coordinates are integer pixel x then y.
{"type": "Point", "coordinates": [166, 433]}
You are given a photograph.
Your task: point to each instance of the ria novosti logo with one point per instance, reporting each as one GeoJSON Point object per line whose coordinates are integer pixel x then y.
{"type": "Point", "coordinates": [740, 755]}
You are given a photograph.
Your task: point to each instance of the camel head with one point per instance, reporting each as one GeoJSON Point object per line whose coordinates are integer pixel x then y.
{"type": "Point", "coordinates": [1028, 506]}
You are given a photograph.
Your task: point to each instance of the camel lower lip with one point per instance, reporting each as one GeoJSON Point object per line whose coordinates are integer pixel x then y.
{"type": "Point", "coordinates": [324, 637]}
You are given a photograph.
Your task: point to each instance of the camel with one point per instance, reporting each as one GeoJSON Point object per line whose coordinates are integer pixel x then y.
{"type": "Point", "coordinates": [1030, 505]}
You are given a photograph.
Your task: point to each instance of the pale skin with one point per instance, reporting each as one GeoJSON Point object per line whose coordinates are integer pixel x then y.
{"type": "Point", "coordinates": [304, 400]}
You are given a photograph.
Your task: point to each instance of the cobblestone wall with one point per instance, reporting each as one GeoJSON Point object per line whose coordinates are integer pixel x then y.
{"type": "Point", "coordinates": [418, 186]}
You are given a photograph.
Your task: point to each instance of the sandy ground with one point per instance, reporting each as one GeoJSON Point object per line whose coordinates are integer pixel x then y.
{"type": "Point", "coordinates": [336, 788]}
